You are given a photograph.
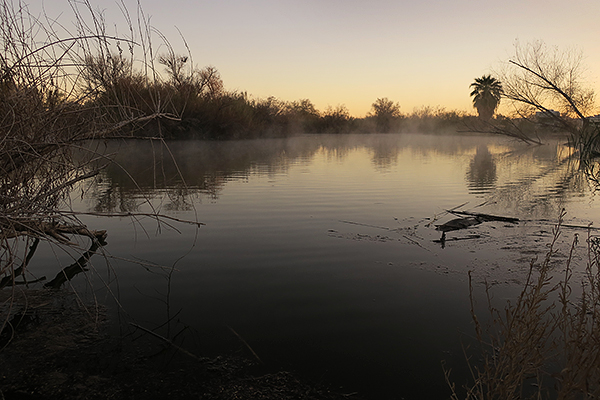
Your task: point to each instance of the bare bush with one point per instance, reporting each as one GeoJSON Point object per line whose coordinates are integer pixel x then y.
{"type": "Point", "coordinates": [58, 91]}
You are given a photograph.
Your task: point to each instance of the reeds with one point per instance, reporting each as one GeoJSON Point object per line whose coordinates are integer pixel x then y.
{"type": "Point", "coordinates": [545, 344]}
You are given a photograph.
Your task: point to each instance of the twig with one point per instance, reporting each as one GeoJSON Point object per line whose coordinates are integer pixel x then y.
{"type": "Point", "coordinates": [454, 239]}
{"type": "Point", "coordinates": [417, 243]}
{"type": "Point", "coordinates": [436, 217]}
{"type": "Point", "coordinates": [169, 342]}
{"type": "Point", "coordinates": [135, 214]}
{"type": "Point", "coordinates": [370, 226]}
{"type": "Point", "coordinates": [246, 344]}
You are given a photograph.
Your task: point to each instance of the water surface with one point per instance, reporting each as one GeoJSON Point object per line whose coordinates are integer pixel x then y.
{"type": "Point", "coordinates": [320, 250]}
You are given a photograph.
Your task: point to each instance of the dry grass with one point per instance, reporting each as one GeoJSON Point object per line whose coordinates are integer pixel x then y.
{"type": "Point", "coordinates": [545, 344]}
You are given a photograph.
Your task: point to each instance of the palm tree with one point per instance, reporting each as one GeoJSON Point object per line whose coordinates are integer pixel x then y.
{"type": "Point", "coordinates": [486, 94]}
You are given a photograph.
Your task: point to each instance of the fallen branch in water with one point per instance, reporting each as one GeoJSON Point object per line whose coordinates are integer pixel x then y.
{"type": "Point", "coordinates": [415, 242]}
{"type": "Point", "coordinates": [11, 228]}
{"type": "Point", "coordinates": [436, 217]}
{"type": "Point", "coordinates": [370, 226]}
{"type": "Point", "coordinates": [580, 227]}
{"type": "Point", "coordinates": [67, 273]}
{"type": "Point", "coordinates": [485, 217]}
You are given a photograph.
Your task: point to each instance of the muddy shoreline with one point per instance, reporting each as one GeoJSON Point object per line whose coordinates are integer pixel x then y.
{"type": "Point", "coordinates": [57, 348]}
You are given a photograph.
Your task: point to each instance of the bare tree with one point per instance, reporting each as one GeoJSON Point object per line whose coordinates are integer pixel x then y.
{"type": "Point", "coordinates": [546, 87]}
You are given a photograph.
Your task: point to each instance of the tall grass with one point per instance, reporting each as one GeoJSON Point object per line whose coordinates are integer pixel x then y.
{"type": "Point", "coordinates": [545, 344]}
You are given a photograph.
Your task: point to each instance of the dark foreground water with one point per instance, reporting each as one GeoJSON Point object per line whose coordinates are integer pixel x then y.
{"type": "Point", "coordinates": [320, 252]}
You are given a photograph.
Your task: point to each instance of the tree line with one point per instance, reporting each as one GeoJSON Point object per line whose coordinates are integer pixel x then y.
{"type": "Point", "coordinates": [192, 102]}
{"type": "Point", "coordinates": [195, 104]}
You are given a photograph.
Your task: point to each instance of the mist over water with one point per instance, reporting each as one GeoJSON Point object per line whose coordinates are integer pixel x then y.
{"type": "Point", "coordinates": [320, 251]}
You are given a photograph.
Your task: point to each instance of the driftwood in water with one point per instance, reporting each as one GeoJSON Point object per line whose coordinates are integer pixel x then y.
{"type": "Point", "coordinates": [484, 217]}
{"type": "Point", "coordinates": [77, 267]}
{"type": "Point", "coordinates": [466, 220]}
{"type": "Point", "coordinates": [458, 223]}
{"type": "Point", "coordinates": [39, 229]}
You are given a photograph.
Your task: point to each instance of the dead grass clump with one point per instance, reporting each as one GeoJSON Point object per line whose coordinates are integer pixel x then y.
{"type": "Point", "coordinates": [545, 344]}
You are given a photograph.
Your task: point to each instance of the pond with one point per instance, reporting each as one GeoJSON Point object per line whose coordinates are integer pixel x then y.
{"type": "Point", "coordinates": [320, 251]}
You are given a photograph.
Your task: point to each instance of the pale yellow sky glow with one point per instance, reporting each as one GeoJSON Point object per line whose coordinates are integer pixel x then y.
{"type": "Point", "coordinates": [351, 52]}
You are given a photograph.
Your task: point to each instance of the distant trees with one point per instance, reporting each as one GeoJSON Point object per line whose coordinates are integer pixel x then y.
{"type": "Point", "coordinates": [303, 114]}
{"type": "Point", "coordinates": [385, 112]}
{"type": "Point", "coordinates": [486, 94]}
{"type": "Point", "coordinates": [334, 120]}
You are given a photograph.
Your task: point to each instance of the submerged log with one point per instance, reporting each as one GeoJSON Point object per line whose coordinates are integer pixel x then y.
{"type": "Point", "coordinates": [466, 220]}
{"type": "Point", "coordinates": [77, 267]}
{"type": "Point", "coordinates": [484, 217]}
{"type": "Point", "coordinates": [458, 223]}
{"type": "Point", "coordinates": [455, 225]}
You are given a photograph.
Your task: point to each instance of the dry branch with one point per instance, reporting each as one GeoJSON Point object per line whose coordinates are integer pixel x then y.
{"type": "Point", "coordinates": [169, 342]}
{"type": "Point", "coordinates": [77, 267]}
{"type": "Point", "coordinates": [43, 229]}
{"type": "Point", "coordinates": [485, 217]}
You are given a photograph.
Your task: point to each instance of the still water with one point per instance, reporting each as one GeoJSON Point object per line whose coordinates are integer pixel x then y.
{"type": "Point", "coordinates": [320, 251]}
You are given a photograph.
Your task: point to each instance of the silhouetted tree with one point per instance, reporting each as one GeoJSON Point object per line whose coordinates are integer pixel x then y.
{"type": "Point", "coordinates": [546, 85]}
{"type": "Point", "coordinates": [384, 111]}
{"type": "Point", "coordinates": [175, 68]}
{"type": "Point", "coordinates": [334, 120]}
{"type": "Point", "coordinates": [303, 114]}
{"type": "Point", "coordinates": [486, 94]}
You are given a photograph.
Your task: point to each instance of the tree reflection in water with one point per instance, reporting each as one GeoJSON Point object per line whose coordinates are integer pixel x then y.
{"type": "Point", "coordinates": [481, 175]}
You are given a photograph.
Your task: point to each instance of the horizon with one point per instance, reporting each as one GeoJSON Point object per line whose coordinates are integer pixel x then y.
{"type": "Point", "coordinates": [351, 53]}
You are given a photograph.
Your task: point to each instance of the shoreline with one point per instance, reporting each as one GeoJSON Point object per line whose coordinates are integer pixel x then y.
{"type": "Point", "coordinates": [58, 349]}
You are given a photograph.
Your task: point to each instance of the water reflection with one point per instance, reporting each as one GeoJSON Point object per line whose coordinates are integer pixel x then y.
{"type": "Point", "coordinates": [319, 250]}
{"type": "Point", "coordinates": [539, 181]}
{"type": "Point", "coordinates": [183, 172]}
{"type": "Point", "coordinates": [481, 174]}
{"type": "Point", "coordinates": [143, 170]}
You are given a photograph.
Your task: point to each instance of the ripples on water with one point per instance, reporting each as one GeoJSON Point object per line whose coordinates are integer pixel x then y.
{"type": "Point", "coordinates": [319, 250]}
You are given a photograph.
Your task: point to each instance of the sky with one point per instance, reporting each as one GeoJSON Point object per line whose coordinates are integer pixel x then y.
{"type": "Point", "coordinates": [334, 52]}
